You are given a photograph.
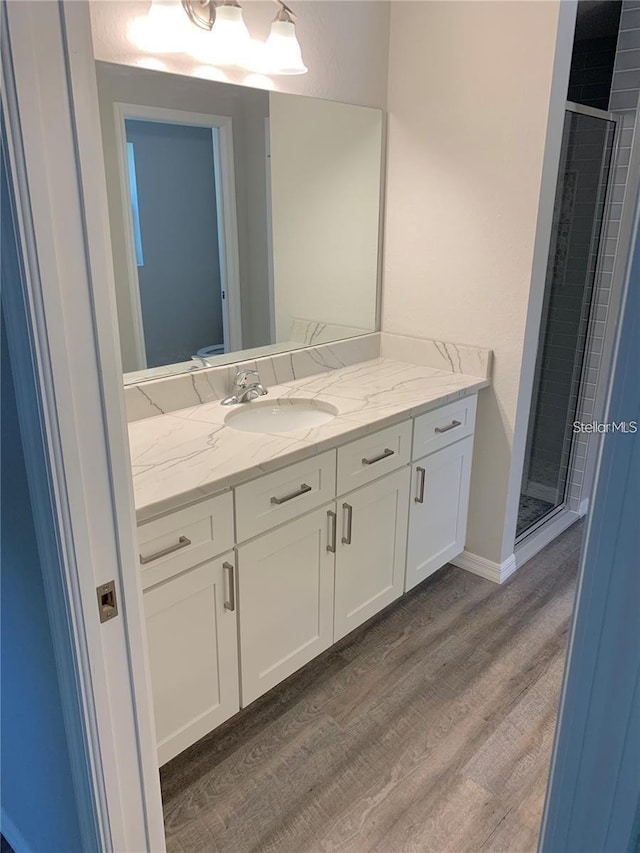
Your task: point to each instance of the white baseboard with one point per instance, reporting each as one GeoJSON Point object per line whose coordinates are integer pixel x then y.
{"type": "Point", "coordinates": [524, 551]}
{"type": "Point", "coordinates": [496, 572]}
{"type": "Point", "coordinates": [545, 534]}
{"type": "Point", "coordinates": [12, 834]}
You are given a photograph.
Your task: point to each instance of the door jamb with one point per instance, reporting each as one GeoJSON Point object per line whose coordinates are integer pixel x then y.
{"type": "Point", "coordinates": [226, 215]}
{"type": "Point", "coordinates": [61, 320]}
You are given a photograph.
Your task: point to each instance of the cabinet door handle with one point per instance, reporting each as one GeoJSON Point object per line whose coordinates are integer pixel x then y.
{"type": "Point", "coordinates": [230, 600]}
{"type": "Point", "coordinates": [346, 539]}
{"type": "Point", "coordinates": [181, 543]}
{"type": "Point", "coordinates": [333, 527]}
{"type": "Point", "coordinates": [304, 488]}
{"type": "Point", "coordinates": [452, 425]}
{"type": "Point", "coordinates": [384, 455]}
{"type": "Point", "coordinates": [422, 475]}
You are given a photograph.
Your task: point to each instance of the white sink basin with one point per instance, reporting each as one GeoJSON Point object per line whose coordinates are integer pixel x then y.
{"type": "Point", "coordinates": [280, 415]}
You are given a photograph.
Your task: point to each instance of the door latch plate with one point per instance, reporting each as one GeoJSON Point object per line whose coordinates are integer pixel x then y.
{"type": "Point", "coordinates": [107, 601]}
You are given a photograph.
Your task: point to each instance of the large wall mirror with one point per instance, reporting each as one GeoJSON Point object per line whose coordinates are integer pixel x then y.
{"type": "Point", "coordinates": [243, 222]}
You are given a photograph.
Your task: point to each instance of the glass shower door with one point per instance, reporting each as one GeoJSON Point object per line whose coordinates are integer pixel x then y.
{"type": "Point", "coordinates": [585, 165]}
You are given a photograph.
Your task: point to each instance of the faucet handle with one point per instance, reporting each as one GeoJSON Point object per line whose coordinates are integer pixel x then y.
{"type": "Point", "coordinates": [246, 387]}
{"type": "Point", "coordinates": [243, 375]}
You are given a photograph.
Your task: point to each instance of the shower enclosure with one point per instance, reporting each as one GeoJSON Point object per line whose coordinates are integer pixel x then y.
{"type": "Point", "coordinates": [561, 377]}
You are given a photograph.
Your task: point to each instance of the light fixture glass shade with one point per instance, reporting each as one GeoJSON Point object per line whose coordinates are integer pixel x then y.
{"type": "Point", "coordinates": [164, 29]}
{"type": "Point", "coordinates": [229, 42]}
{"type": "Point", "coordinates": [282, 54]}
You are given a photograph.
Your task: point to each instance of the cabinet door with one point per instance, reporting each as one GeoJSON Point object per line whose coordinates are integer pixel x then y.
{"type": "Point", "coordinates": [371, 548]}
{"type": "Point", "coordinates": [286, 601]}
{"type": "Point", "coordinates": [193, 654]}
{"type": "Point", "coordinates": [438, 513]}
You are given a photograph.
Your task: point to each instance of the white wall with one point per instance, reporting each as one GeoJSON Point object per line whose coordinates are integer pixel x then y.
{"type": "Point", "coordinates": [344, 44]}
{"type": "Point", "coordinates": [470, 87]}
{"type": "Point", "coordinates": [325, 191]}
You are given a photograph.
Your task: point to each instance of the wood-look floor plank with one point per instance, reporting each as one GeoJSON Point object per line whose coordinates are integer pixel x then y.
{"type": "Point", "coordinates": [508, 760]}
{"type": "Point", "coordinates": [455, 817]}
{"type": "Point", "coordinates": [518, 831]}
{"type": "Point", "coordinates": [429, 729]}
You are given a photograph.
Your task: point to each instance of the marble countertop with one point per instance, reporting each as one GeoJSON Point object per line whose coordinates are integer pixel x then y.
{"type": "Point", "coordinates": [190, 454]}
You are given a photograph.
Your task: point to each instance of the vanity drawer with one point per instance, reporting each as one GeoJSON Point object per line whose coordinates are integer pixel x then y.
{"type": "Point", "coordinates": [443, 426]}
{"type": "Point", "coordinates": [373, 456]}
{"type": "Point", "coordinates": [185, 538]}
{"type": "Point", "coordinates": [275, 498]}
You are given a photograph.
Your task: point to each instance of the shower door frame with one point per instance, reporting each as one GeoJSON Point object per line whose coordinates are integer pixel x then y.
{"type": "Point", "coordinates": [559, 518]}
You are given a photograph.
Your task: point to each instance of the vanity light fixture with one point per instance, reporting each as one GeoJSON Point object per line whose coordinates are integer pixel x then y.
{"type": "Point", "coordinates": [229, 42]}
{"type": "Point", "coordinates": [164, 29]}
{"type": "Point", "coordinates": [281, 52]}
{"type": "Point", "coordinates": [225, 40]}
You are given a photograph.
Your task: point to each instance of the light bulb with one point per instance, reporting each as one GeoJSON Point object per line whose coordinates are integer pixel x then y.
{"type": "Point", "coordinates": [229, 42]}
{"type": "Point", "coordinates": [164, 29]}
{"type": "Point", "coordinates": [282, 54]}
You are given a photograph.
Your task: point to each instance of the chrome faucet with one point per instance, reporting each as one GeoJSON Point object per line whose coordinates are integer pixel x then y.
{"type": "Point", "coordinates": [246, 387]}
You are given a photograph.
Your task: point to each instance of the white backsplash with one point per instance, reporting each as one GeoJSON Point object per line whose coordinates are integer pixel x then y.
{"type": "Point", "coordinates": [171, 393]}
{"type": "Point", "coordinates": [457, 358]}
{"type": "Point", "coordinates": [182, 391]}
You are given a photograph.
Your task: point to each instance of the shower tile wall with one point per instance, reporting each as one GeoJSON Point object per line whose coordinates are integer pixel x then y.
{"type": "Point", "coordinates": [566, 311]}
{"type": "Point", "coordinates": [591, 71]}
{"type": "Point", "coordinates": [625, 92]}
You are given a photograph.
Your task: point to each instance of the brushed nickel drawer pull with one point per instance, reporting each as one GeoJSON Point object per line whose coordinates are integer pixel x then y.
{"type": "Point", "coordinates": [422, 476]}
{"type": "Point", "coordinates": [230, 602]}
{"type": "Point", "coordinates": [386, 453]}
{"type": "Point", "coordinates": [333, 520]}
{"type": "Point", "coordinates": [304, 488]}
{"type": "Point", "coordinates": [452, 425]}
{"type": "Point", "coordinates": [346, 539]}
{"type": "Point", "coordinates": [182, 542]}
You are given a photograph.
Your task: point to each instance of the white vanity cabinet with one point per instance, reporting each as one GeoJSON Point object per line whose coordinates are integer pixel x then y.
{"type": "Point", "coordinates": [185, 538]}
{"type": "Point", "coordinates": [193, 654]}
{"type": "Point", "coordinates": [440, 488]}
{"type": "Point", "coordinates": [269, 501]}
{"type": "Point", "coordinates": [311, 581]}
{"type": "Point", "coordinates": [243, 589]}
{"type": "Point", "coordinates": [189, 599]}
{"type": "Point", "coordinates": [286, 580]}
{"type": "Point", "coordinates": [370, 550]}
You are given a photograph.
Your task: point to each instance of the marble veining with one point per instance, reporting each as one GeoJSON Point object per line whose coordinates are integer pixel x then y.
{"type": "Point", "coordinates": [458, 358]}
{"type": "Point", "coordinates": [312, 332]}
{"type": "Point", "coordinates": [188, 454]}
{"type": "Point", "coordinates": [195, 387]}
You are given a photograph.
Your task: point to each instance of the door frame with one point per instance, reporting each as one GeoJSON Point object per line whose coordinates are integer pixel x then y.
{"type": "Point", "coordinates": [226, 214]}
{"type": "Point", "coordinates": [269, 219]}
{"type": "Point", "coordinates": [538, 535]}
{"type": "Point", "coordinates": [591, 801]}
{"type": "Point", "coordinates": [71, 360]}
{"type": "Point", "coordinates": [63, 340]}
